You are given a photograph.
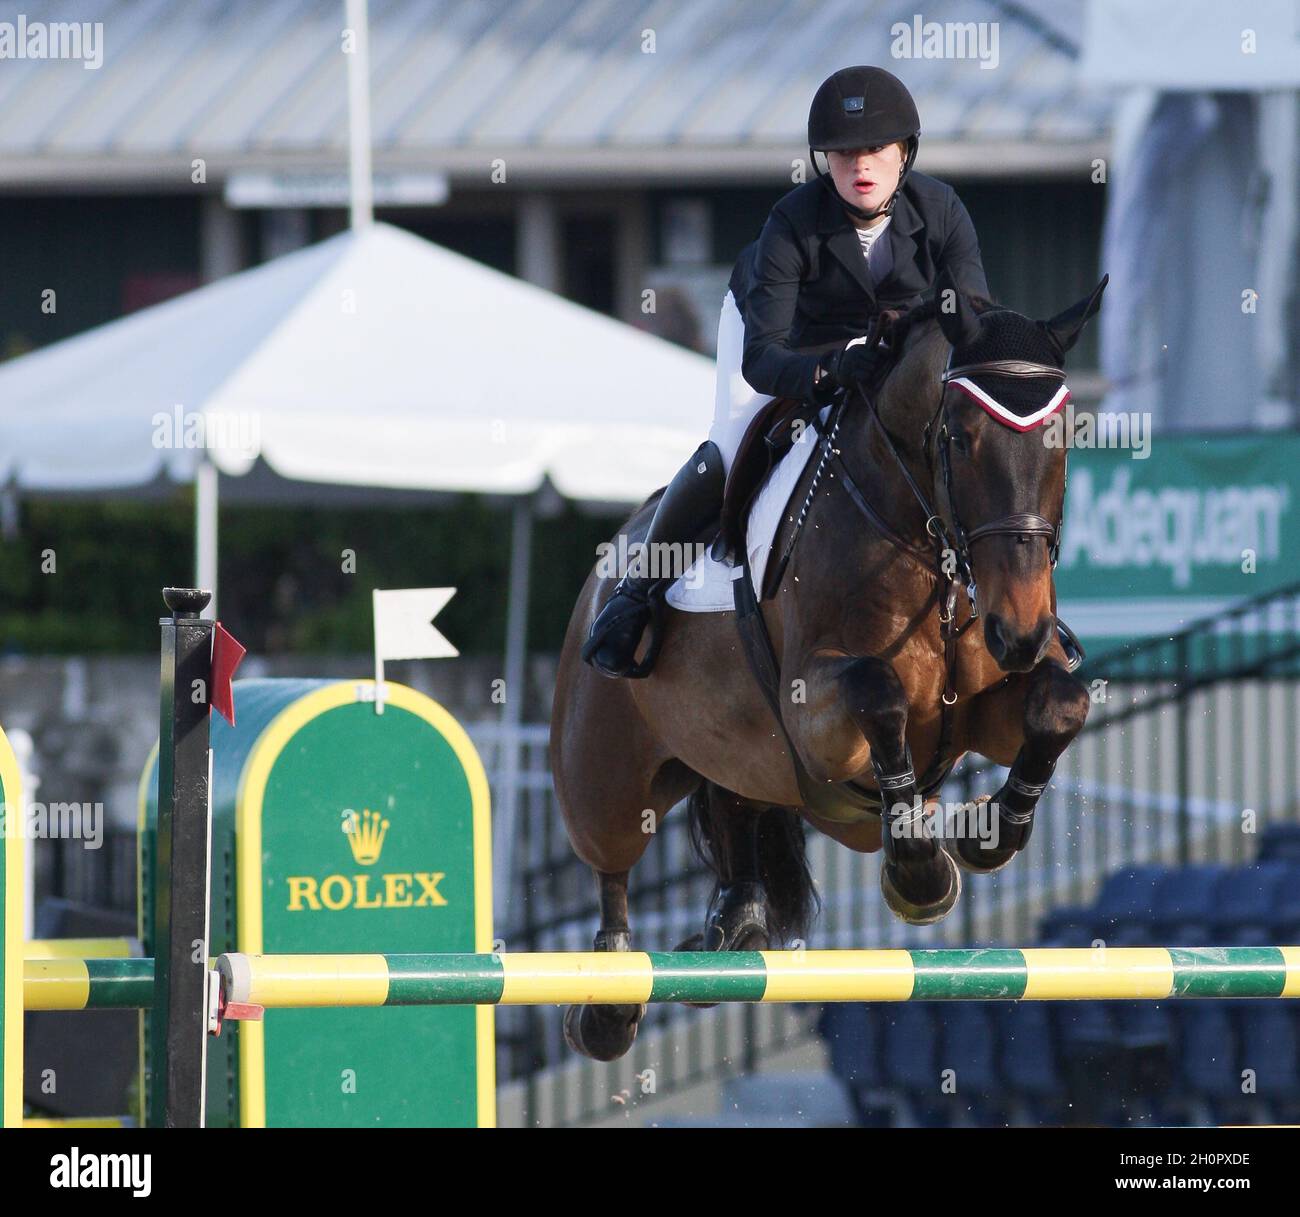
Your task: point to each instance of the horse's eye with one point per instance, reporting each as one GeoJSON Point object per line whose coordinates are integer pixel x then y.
{"type": "Point", "coordinates": [960, 445]}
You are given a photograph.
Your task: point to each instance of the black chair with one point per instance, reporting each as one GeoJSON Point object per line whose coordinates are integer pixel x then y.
{"type": "Point", "coordinates": [1031, 1078]}
{"type": "Point", "coordinates": [852, 1034]}
{"type": "Point", "coordinates": [969, 1050]}
{"type": "Point", "coordinates": [1280, 843]}
{"type": "Point", "coordinates": [1247, 899]}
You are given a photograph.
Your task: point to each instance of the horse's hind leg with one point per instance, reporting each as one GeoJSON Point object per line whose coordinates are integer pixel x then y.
{"type": "Point", "coordinates": [605, 1033]}
{"type": "Point", "coordinates": [726, 827]}
{"type": "Point", "coordinates": [764, 895]}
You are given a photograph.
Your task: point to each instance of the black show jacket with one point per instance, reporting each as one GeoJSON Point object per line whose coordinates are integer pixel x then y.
{"type": "Point", "coordinates": [804, 287]}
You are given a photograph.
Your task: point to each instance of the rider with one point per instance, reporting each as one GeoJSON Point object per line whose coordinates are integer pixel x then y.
{"type": "Point", "coordinates": [872, 234]}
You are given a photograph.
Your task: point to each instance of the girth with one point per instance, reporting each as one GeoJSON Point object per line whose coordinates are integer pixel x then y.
{"type": "Point", "coordinates": [841, 802]}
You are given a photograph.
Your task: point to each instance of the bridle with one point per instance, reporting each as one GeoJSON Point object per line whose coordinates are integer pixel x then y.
{"type": "Point", "coordinates": [952, 549]}
{"type": "Point", "coordinates": [1018, 523]}
{"type": "Point", "coordinates": [959, 540]}
{"type": "Point", "coordinates": [957, 543]}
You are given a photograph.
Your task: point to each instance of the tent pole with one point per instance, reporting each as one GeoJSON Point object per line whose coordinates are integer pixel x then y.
{"type": "Point", "coordinates": [205, 532]}
{"type": "Point", "coordinates": [512, 717]}
{"type": "Point", "coordinates": [361, 185]}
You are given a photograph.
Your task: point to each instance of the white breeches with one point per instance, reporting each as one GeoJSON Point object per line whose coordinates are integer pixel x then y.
{"type": "Point", "coordinates": [734, 402]}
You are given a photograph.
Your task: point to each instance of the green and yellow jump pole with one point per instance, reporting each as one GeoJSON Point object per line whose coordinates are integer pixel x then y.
{"type": "Point", "coordinates": [995, 974]}
{"type": "Point", "coordinates": [297, 982]}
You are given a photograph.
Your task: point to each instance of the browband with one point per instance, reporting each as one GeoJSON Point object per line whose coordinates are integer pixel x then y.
{"type": "Point", "coordinates": [1004, 367]}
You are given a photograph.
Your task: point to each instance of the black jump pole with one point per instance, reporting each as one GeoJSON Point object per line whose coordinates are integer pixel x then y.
{"type": "Point", "coordinates": [179, 1020]}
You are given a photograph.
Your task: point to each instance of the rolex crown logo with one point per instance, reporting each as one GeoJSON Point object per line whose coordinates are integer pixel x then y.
{"type": "Point", "coordinates": [365, 835]}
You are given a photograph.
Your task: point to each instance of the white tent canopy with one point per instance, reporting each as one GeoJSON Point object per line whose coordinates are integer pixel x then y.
{"type": "Point", "coordinates": [374, 358]}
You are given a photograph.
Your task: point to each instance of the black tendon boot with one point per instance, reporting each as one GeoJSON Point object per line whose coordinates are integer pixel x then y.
{"type": "Point", "coordinates": [689, 507]}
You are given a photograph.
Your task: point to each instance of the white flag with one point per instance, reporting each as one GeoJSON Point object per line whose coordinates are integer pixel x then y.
{"type": "Point", "coordinates": [404, 624]}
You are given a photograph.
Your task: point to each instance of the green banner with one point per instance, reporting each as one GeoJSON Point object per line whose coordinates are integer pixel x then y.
{"type": "Point", "coordinates": [1153, 544]}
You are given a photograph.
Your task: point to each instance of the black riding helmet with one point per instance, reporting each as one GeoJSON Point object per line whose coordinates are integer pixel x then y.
{"type": "Point", "coordinates": [863, 107]}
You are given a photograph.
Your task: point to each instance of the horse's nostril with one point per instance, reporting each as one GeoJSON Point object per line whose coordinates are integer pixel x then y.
{"type": "Point", "coordinates": [1044, 637]}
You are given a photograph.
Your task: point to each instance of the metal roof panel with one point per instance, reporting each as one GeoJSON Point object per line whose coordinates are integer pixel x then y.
{"type": "Point", "coordinates": [235, 79]}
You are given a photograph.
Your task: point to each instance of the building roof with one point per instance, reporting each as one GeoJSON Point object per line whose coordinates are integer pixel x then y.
{"type": "Point", "coordinates": [561, 89]}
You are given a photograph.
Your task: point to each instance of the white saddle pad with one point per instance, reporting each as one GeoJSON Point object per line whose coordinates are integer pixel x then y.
{"type": "Point", "coordinates": [706, 586]}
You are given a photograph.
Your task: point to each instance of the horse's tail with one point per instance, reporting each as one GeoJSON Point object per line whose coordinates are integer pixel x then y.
{"type": "Point", "coordinates": [792, 900]}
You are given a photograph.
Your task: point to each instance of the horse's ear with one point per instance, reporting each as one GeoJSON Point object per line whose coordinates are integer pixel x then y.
{"type": "Point", "coordinates": [1064, 329]}
{"type": "Point", "coordinates": [957, 319]}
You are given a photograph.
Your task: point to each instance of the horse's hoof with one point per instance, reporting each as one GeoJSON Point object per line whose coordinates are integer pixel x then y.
{"type": "Point", "coordinates": [751, 936]}
{"type": "Point", "coordinates": [977, 860]}
{"type": "Point", "coordinates": [740, 921]}
{"type": "Point", "coordinates": [922, 914]}
{"type": "Point", "coordinates": [740, 925]}
{"type": "Point", "coordinates": [969, 852]}
{"type": "Point", "coordinates": [603, 1033]}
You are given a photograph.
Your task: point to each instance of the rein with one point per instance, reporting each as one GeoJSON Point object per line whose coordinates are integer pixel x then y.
{"type": "Point", "coordinates": [756, 641]}
{"type": "Point", "coordinates": [958, 542]}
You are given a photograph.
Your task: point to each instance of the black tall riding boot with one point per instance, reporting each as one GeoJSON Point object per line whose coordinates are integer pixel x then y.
{"type": "Point", "coordinates": [689, 507]}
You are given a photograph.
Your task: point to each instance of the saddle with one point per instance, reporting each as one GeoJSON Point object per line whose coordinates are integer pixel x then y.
{"type": "Point", "coordinates": [767, 439]}
{"type": "Point", "coordinates": [771, 433]}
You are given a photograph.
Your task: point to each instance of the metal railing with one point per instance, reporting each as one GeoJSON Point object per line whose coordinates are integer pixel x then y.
{"type": "Point", "coordinates": [1190, 750]}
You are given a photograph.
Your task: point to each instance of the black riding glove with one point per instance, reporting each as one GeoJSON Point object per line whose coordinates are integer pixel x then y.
{"type": "Point", "coordinates": [853, 367]}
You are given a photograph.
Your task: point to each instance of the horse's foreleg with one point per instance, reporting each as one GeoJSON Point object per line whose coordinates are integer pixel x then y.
{"type": "Point", "coordinates": [1055, 706]}
{"type": "Point", "coordinates": [605, 1033]}
{"type": "Point", "coordinates": [919, 880]}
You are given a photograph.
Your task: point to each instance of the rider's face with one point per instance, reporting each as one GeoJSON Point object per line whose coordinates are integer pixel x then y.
{"type": "Point", "coordinates": [866, 177]}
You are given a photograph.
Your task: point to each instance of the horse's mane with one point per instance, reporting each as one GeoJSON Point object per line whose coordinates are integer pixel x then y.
{"type": "Point", "coordinates": [906, 329]}
{"type": "Point", "coordinates": [928, 310]}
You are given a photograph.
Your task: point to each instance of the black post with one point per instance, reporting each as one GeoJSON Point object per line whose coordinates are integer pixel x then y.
{"type": "Point", "coordinates": [179, 1030]}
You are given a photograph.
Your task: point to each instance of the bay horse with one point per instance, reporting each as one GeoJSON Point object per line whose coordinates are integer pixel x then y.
{"type": "Point", "coordinates": [939, 478]}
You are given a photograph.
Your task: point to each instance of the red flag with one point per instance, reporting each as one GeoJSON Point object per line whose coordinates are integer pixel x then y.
{"type": "Point", "coordinates": [226, 654]}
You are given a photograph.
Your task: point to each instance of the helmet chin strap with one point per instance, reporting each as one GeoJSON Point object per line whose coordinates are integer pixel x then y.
{"type": "Point", "coordinates": [885, 208]}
